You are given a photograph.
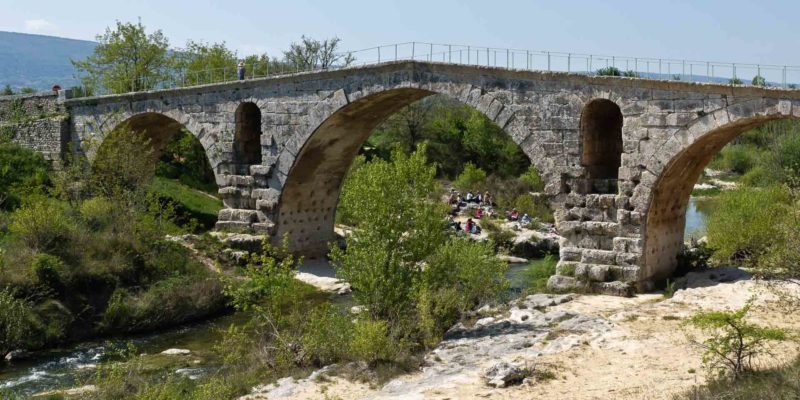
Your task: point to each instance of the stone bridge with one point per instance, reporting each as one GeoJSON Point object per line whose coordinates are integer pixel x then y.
{"type": "Point", "coordinates": [619, 155]}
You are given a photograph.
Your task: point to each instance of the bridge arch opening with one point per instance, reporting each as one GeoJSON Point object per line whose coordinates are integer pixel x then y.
{"type": "Point", "coordinates": [665, 224]}
{"type": "Point", "coordinates": [247, 138]}
{"type": "Point", "coordinates": [601, 133]}
{"type": "Point", "coordinates": [159, 152]}
{"type": "Point", "coordinates": [310, 194]}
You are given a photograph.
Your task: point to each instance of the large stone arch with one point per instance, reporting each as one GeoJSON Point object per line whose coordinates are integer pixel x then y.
{"type": "Point", "coordinates": [320, 158]}
{"type": "Point", "coordinates": [673, 171]}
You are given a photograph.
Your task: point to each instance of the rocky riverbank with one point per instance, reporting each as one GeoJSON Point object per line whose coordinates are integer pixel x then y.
{"type": "Point", "coordinates": [564, 346]}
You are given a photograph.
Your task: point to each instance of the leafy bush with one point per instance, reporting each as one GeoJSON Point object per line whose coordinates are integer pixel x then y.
{"type": "Point", "coordinates": [16, 322]}
{"type": "Point", "coordinates": [532, 178]}
{"type": "Point", "coordinates": [372, 341]}
{"type": "Point", "coordinates": [536, 208]}
{"type": "Point", "coordinates": [778, 383]}
{"type": "Point", "coordinates": [470, 178]}
{"type": "Point", "coordinates": [49, 270]}
{"type": "Point", "coordinates": [738, 158]}
{"type": "Point", "coordinates": [327, 336]}
{"type": "Point", "coordinates": [609, 71]}
{"type": "Point", "coordinates": [22, 172]}
{"type": "Point", "coordinates": [733, 342]}
{"type": "Point", "coordinates": [97, 212]}
{"type": "Point", "coordinates": [42, 225]}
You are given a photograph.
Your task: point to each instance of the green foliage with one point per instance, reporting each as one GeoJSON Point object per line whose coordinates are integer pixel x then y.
{"type": "Point", "coordinates": [533, 178]}
{"type": "Point", "coordinates": [126, 59]}
{"type": "Point", "coordinates": [7, 90]}
{"type": "Point", "coordinates": [170, 301]}
{"type": "Point", "coordinates": [733, 342]}
{"type": "Point", "coordinates": [311, 53]}
{"type": "Point", "coordinates": [97, 212]}
{"type": "Point", "coordinates": [123, 164]}
{"type": "Point", "coordinates": [372, 341]}
{"type": "Point", "coordinates": [48, 270]}
{"type": "Point", "coordinates": [202, 63]}
{"type": "Point", "coordinates": [400, 261]}
{"type": "Point", "coordinates": [738, 158]}
{"type": "Point", "coordinates": [759, 80]}
{"type": "Point", "coordinates": [184, 159]}
{"type": "Point", "coordinates": [777, 383]}
{"type": "Point", "coordinates": [609, 71]}
{"type": "Point", "coordinates": [471, 178]}
{"type": "Point", "coordinates": [42, 225]}
{"type": "Point", "coordinates": [538, 272]}
{"type": "Point", "coordinates": [15, 322]}
{"type": "Point", "coordinates": [735, 81]}
{"type": "Point", "coordinates": [631, 74]}
{"type": "Point", "coordinates": [455, 135]}
{"type": "Point", "coordinates": [27, 90]}
{"type": "Point", "coordinates": [756, 213]}
{"type": "Point", "coordinates": [23, 173]}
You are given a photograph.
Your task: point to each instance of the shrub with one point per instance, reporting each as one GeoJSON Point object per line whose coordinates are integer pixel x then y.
{"type": "Point", "coordinates": [22, 172]}
{"type": "Point", "coordinates": [97, 212]}
{"type": "Point", "coordinates": [42, 225]}
{"type": "Point", "coordinates": [327, 336]}
{"type": "Point", "coordinates": [535, 207]}
{"type": "Point", "coordinates": [733, 342]}
{"type": "Point", "coordinates": [538, 272]}
{"type": "Point", "coordinates": [49, 270]}
{"type": "Point", "coordinates": [532, 178]}
{"type": "Point", "coordinates": [16, 322]}
{"type": "Point", "coordinates": [471, 178]}
{"type": "Point", "coordinates": [372, 341]}
{"type": "Point", "coordinates": [609, 71]}
{"type": "Point", "coordinates": [737, 158]}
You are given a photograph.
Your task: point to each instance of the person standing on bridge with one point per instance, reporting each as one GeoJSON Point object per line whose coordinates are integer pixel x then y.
{"type": "Point", "coordinates": [241, 70]}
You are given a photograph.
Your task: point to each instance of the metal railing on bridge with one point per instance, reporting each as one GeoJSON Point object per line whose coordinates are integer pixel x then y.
{"type": "Point", "coordinates": [781, 76]}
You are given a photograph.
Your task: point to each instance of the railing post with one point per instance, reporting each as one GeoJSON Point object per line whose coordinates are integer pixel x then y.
{"type": "Point", "coordinates": [487, 57]}
{"type": "Point", "coordinates": [659, 69]}
{"type": "Point", "coordinates": [469, 55]}
{"type": "Point", "coordinates": [395, 52]}
{"type": "Point", "coordinates": [548, 61]}
{"type": "Point", "coordinates": [507, 53]}
{"type": "Point", "coordinates": [784, 77]}
{"type": "Point", "coordinates": [569, 62]}
{"type": "Point", "coordinates": [527, 59]}
{"type": "Point", "coordinates": [413, 45]}
{"type": "Point", "coordinates": [450, 53]}
{"type": "Point", "coordinates": [430, 56]}
{"type": "Point", "coordinates": [636, 65]}
{"type": "Point", "coordinates": [734, 71]}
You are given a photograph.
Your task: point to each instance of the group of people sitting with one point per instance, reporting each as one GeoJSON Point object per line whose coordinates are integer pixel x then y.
{"type": "Point", "coordinates": [455, 199]}
{"type": "Point", "coordinates": [470, 226]}
{"type": "Point", "coordinates": [514, 216]}
{"type": "Point", "coordinates": [481, 204]}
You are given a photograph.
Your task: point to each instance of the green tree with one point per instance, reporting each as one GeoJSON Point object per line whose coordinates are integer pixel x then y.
{"type": "Point", "coordinates": [309, 54]}
{"type": "Point", "coordinates": [609, 71]}
{"type": "Point", "coordinates": [22, 172]}
{"type": "Point", "coordinates": [7, 91]}
{"type": "Point", "coordinates": [733, 342]}
{"type": "Point", "coordinates": [127, 59]}
{"type": "Point", "coordinates": [759, 80]}
{"type": "Point", "coordinates": [124, 164]}
{"type": "Point", "coordinates": [201, 63]}
{"type": "Point", "coordinates": [735, 81]}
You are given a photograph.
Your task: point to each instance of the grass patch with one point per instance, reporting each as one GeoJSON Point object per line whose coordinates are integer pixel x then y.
{"type": "Point", "coordinates": [771, 384]}
{"type": "Point", "coordinates": [190, 203]}
{"type": "Point", "coordinates": [538, 272]}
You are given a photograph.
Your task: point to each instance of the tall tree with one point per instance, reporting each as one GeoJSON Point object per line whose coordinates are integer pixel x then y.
{"type": "Point", "coordinates": [127, 59]}
{"type": "Point", "coordinates": [311, 54]}
{"type": "Point", "coordinates": [206, 63]}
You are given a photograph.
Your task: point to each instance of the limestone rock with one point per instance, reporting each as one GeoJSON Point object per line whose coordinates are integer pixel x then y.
{"type": "Point", "coordinates": [176, 352]}
{"type": "Point", "coordinates": [503, 374]}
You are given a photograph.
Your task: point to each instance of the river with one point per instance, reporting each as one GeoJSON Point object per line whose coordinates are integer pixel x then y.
{"type": "Point", "coordinates": [63, 368]}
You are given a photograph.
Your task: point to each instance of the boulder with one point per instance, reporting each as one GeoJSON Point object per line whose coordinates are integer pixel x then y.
{"type": "Point", "coordinates": [503, 374]}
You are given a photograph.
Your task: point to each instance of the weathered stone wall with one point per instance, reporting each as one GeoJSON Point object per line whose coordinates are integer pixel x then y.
{"type": "Point", "coordinates": [37, 121]}
{"type": "Point", "coordinates": [618, 235]}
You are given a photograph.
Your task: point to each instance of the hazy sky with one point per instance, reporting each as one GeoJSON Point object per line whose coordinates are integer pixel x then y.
{"type": "Point", "coordinates": [764, 31]}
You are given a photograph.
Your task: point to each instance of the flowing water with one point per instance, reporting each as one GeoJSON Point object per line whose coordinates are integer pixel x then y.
{"type": "Point", "coordinates": [68, 367]}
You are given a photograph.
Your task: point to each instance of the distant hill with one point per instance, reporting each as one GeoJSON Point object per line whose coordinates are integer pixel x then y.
{"type": "Point", "coordinates": [39, 61]}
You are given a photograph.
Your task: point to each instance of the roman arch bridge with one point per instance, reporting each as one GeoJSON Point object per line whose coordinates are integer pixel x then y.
{"type": "Point", "coordinates": [619, 155]}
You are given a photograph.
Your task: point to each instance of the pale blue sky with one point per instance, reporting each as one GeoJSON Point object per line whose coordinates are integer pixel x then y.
{"type": "Point", "coordinates": [762, 31]}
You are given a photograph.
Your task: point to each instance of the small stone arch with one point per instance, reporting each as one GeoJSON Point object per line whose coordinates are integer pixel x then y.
{"type": "Point", "coordinates": [601, 144]}
{"type": "Point", "coordinates": [247, 137]}
{"type": "Point", "coordinates": [158, 128]}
